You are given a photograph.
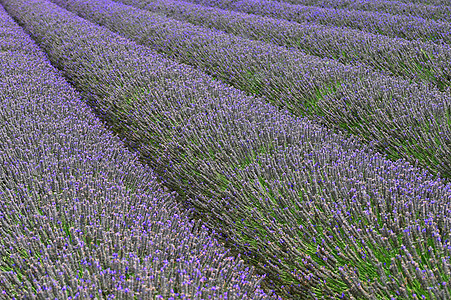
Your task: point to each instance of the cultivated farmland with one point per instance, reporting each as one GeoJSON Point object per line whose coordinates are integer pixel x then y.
{"type": "Point", "coordinates": [223, 149]}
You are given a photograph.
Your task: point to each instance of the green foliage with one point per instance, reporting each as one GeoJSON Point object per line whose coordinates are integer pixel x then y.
{"type": "Point", "coordinates": [253, 82]}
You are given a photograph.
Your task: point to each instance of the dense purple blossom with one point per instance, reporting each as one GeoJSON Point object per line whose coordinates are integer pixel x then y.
{"type": "Point", "coordinates": [439, 11]}
{"type": "Point", "coordinates": [78, 214]}
{"type": "Point", "coordinates": [426, 2]}
{"type": "Point", "coordinates": [408, 27]}
{"type": "Point", "coordinates": [341, 96]}
{"type": "Point", "coordinates": [431, 2]}
{"type": "Point", "coordinates": [321, 215]}
{"type": "Point", "coordinates": [396, 56]}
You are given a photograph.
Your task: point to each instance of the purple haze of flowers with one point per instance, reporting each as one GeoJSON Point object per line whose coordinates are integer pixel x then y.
{"type": "Point", "coordinates": [411, 59]}
{"type": "Point", "coordinates": [440, 11]}
{"type": "Point", "coordinates": [402, 119]}
{"type": "Point", "coordinates": [78, 214]}
{"type": "Point", "coordinates": [431, 2]}
{"type": "Point", "coordinates": [412, 28]}
{"type": "Point", "coordinates": [319, 214]}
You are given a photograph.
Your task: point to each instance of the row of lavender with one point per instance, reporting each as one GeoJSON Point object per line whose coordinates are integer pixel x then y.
{"type": "Point", "coordinates": [411, 28]}
{"type": "Point", "coordinates": [80, 217]}
{"type": "Point", "coordinates": [403, 119]}
{"type": "Point", "coordinates": [428, 2]}
{"type": "Point", "coordinates": [416, 60]}
{"type": "Point", "coordinates": [435, 9]}
{"type": "Point", "coordinates": [319, 214]}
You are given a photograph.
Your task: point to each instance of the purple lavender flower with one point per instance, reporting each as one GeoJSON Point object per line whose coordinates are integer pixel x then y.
{"type": "Point", "coordinates": [320, 214]}
{"type": "Point", "coordinates": [80, 217]}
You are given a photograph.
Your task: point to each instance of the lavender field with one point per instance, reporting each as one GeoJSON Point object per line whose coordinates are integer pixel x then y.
{"type": "Point", "coordinates": [225, 149]}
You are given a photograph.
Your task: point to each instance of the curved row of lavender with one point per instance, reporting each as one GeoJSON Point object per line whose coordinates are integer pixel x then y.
{"type": "Point", "coordinates": [421, 10]}
{"type": "Point", "coordinates": [319, 214]}
{"type": "Point", "coordinates": [405, 120]}
{"type": "Point", "coordinates": [411, 28]}
{"type": "Point", "coordinates": [399, 57]}
{"type": "Point", "coordinates": [428, 2]}
{"type": "Point", "coordinates": [80, 217]}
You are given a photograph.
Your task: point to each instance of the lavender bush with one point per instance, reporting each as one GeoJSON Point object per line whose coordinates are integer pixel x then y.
{"type": "Point", "coordinates": [441, 12]}
{"type": "Point", "coordinates": [403, 119]}
{"type": "Point", "coordinates": [412, 28]}
{"type": "Point", "coordinates": [428, 2]}
{"type": "Point", "coordinates": [80, 217]}
{"type": "Point", "coordinates": [411, 59]}
{"type": "Point", "coordinates": [321, 215]}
